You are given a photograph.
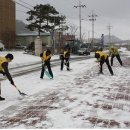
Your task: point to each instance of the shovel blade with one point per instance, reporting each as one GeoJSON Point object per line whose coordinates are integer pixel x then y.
{"type": "Point", "coordinates": [23, 94]}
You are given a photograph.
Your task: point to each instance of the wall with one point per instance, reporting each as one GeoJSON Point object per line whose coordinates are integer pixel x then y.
{"type": "Point", "coordinates": [7, 23]}
{"type": "Point", "coordinates": [25, 40]}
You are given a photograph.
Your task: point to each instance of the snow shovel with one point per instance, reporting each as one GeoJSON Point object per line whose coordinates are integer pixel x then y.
{"type": "Point", "coordinates": [21, 93]}
{"type": "Point", "coordinates": [47, 74]}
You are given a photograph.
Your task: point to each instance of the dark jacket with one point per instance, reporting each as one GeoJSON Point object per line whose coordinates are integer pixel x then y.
{"type": "Point", "coordinates": [6, 72]}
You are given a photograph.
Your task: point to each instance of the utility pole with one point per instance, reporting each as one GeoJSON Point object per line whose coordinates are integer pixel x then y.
{"type": "Point", "coordinates": [80, 18]}
{"type": "Point", "coordinates": [102, 41]}
{"type": "Point", "coordinates": [109, 29]}
{"type": "Point", "coordinates": [93, 19]}
{"type": "Point", "coordinates": [88, 36]}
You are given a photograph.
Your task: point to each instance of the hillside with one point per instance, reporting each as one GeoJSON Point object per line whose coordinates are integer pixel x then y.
{"type": "Point", "coordinates": [21, 27]}
{"type": "Point", "coordinates": [114, 39]}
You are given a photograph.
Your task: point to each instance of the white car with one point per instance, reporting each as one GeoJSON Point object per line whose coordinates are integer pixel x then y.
{"type": "Point", "coordinates": [83, 51]}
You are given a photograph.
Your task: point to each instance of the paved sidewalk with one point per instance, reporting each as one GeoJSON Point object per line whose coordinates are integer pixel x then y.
{"type": "Point", "coordinates": [90, 101]}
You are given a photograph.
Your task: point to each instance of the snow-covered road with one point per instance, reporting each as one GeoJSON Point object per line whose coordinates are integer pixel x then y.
{"type": "Point", "coordinates": [77, 99]}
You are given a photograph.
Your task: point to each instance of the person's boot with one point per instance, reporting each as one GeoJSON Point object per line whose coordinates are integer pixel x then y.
{"type": "Point", "coordinates": [1, 98]}
{"type": "Point", "coordinates": [51, 77]}
{"type": "Point", "coordinates": [100, 73]}
{"type": "Point", "coordinates": [68, 69]}
{"type": "Point", "coordinates": [41, 77]}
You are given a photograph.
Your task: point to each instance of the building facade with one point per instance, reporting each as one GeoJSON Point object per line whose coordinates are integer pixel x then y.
{"type": "Point", "coordinates": [61, 40]}
{"type": "Point", "coordinates": [24, 39]}
{"type": "Point", "coordinates": [7, 23]}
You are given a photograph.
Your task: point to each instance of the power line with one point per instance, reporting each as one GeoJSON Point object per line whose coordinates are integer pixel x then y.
{"type": "Point", "coordinates": [32, 6]}
{"type": "Point", "coordinates": [26, 3]}
{"type": "Point", "coordinates": [23, 5]}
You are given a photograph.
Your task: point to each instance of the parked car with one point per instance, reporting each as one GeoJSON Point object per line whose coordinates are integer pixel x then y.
{"type": "Point", "coordinates": [84, 51]}
{"type": "Point", "coordinates": [20, 46]}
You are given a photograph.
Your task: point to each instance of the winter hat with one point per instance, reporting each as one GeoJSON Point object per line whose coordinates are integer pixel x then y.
{"type": "Point", "coordinates": [10, 56]}
{"type": "Point", "coordinates": [101, 49]}
{"type": "Point", "coordinates": [48, 51]}
{"type": "Point", "coordinates": [97, 55]}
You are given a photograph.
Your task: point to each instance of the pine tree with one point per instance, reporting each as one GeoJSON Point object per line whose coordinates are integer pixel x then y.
{"type": "Point", "coordinates": [45, 18]}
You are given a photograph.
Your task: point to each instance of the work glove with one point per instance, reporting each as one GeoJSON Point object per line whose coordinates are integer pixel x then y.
{"type": "Point", "coordinates": [3, 73]}
{"type": "Point", "coordinates": [98, 60]}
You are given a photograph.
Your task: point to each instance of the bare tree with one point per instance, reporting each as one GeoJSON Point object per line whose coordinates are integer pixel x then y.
{"type": "Point", "coordinates": [83, 36]}
{"type": "Point", "coordinates": [73, 29]}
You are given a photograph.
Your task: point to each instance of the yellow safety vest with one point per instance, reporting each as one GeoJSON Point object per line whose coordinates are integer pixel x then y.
{"type": "Point", "coordinates": [2, 60]}
{"type": "Point", "coordinates": [45, 58]}
{"type": "Point", "coordinates": [65, 53]}
{"type": "Point", "coordinates": [104, 54]}
{"type": "Point", "coordinates": [101, 53]}
{"type": "Point", "coordinates": [113, 50]}
{"type": "Point", "coordinates": [98, 52]}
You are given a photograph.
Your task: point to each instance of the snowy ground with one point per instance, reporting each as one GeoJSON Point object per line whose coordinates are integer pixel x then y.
{"type": "Point", "coordinates": [77, 99]}
{"type": "Point", "coordinates": [21, 58]}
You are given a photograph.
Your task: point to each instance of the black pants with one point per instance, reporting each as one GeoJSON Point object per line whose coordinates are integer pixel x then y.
{"type": "Point", "coordinates": [49, 69]}
{"type": "Point", "coordinates": [118, 58]}
{"type": "Point", "coordinates": [66, 62]}
{"type": "Point", "coordinates": [108, 65]}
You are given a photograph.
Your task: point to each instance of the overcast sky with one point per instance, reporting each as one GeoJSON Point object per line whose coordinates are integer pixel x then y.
{"type": "Point", "coordinates": [113, 12]}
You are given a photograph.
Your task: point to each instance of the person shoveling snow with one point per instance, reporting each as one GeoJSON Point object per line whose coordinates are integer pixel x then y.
{"type": "Point", "coordinates": [4, 61]}
{"type": "Point", "coordinates": [101, 58]}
